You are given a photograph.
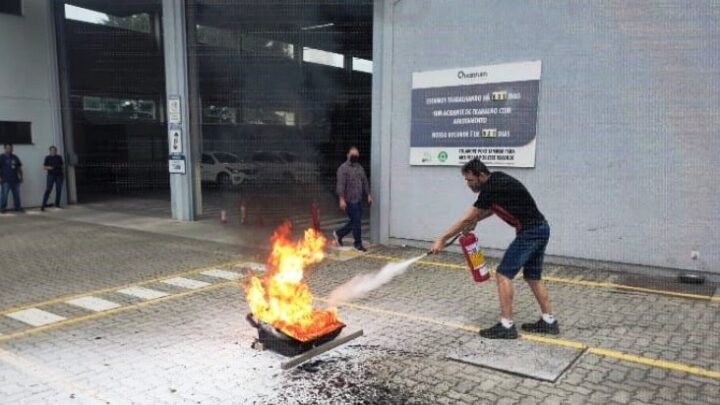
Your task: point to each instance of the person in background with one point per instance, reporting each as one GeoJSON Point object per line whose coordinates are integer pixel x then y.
{"type": "Point", "coordinates": [10, 177]}
{"type": "Point", "coordinates": [54, 166]}
{"type": "Point", "coordinates": [352, 186]}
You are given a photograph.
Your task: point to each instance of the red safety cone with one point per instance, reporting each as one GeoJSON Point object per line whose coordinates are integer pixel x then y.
{"type": "Point", "coordinates": [243, 213]}
{"type": "Point", "coordinates": [315, 215]}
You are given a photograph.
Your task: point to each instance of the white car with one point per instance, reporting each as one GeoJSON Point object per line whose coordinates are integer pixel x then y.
{"type": "Point", "coordinates": [224, 168]}
{"type": "Point", "coordinates": [282, 167]}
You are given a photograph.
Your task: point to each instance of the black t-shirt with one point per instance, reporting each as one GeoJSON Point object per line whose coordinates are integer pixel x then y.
{"type": "Point", "coordinates": [510, 200]}
{"type": "Point", "coordinates": [55, 162]}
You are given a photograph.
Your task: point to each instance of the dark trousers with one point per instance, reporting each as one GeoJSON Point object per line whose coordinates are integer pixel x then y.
{"type": "Point", "coordinates": [354, 212]}
{"type": "Point", "coordinates": [7, 187]}
{"type": "Point", "coordinates": [57, 180]}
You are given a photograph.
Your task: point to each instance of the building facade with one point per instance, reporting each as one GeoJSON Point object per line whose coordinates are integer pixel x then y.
{"type": "Point", "coordinates": [627, 110]}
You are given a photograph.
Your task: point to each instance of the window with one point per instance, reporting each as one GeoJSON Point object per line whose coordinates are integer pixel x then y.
{"type": "Point", "coordinates": [207, 159]}
{"type": "Point", "coordinates": [362, 65]}
{"type": "Point", "coordinates": [266, 157]}
{"type": "Point", "coordinates": [223, 157]}
{"type": "Point", "coordinates": [131, 109]}
{"type": "Point", "coordinates": [15, 132]}
{"type": "Point", "coordinates": [323, 57]}
{"type": "Point", "coordinates": [11, 7]}
{"type": "Point", "coordinates": [135, 22]}
{"type": "Point", "coordinates": [289, 157]}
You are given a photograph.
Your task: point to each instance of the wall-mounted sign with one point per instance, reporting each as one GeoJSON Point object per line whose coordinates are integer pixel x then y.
{"type": "Point", "coordinates": [177, 164]}
{"type": "Point", "coordinates": [488, 112]}
{"type": "Point", "coordinates": [174, 110]}
{"type": "Point", "coordinates": [175, 140]}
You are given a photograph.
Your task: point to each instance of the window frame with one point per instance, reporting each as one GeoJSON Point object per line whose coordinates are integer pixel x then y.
{"type": "Point", "coordinates": [19, 127]}
{"type": "Point", "coordinates": [20, 8]}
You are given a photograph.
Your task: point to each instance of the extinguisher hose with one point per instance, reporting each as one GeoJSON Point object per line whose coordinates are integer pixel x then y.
{"type": "Point", "coordinates": [446, 244]}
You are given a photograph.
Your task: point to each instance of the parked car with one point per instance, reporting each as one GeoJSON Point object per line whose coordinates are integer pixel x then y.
{"type": "Point", "coordinates": [225, 168]}
{"type": "Point", "coordinates": [282, 167]}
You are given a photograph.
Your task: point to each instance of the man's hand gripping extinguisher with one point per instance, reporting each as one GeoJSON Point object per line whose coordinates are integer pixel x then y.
{"type": "Point", "coordinates": [473, 255]}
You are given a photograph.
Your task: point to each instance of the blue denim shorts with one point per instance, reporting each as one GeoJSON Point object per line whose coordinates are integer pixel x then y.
{"type": "Point", "coordinates": [526, 251]}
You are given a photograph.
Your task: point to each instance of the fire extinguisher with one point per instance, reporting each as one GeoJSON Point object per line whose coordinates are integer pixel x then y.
{"type": "Point", "coordinates": [475, 258]}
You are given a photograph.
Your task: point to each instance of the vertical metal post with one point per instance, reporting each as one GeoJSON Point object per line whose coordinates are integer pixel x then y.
{"type": "Point", "coordinates": [66, 145]}
{"type": "Point", "coordinates": [182, 185]}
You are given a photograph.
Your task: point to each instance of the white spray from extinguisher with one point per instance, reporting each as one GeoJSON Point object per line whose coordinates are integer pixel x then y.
{"type": "Point", "coordinates": [360, 285]}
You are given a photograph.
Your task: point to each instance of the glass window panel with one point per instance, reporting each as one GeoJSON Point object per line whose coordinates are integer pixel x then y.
{"type": "Point", "coordinates": [362, 65]}
{"type": "Point", "coordinates": [323, 57]}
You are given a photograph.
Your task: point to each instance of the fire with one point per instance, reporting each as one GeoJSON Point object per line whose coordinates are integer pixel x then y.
{"type": "Point", "coordinates": [280, 297]}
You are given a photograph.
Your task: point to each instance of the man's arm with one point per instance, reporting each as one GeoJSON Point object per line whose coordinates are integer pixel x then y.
{"type": "Point", "coordinates": [366, 187]}
{"type": "Point", "coordinates": [465, 224]}
{"type": "Point", "coordinates": [340, 188]}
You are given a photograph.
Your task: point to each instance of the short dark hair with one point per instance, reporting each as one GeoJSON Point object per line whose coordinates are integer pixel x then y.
{"type": "Point", "coordinates": [475, 167]}
{"type": "Point", "coordinates": [52, 147]}
{"type": "Point", "coordinates": [6, 145]}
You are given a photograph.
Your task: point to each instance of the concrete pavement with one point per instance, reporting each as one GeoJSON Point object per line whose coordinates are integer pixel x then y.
{"type": "Point", "coordinates": [191, 344]}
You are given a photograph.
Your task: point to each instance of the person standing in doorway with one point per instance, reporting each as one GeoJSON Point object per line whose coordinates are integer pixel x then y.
{"type": "Point", "coordinates": [54, 167]}
{"type": "Point", "coordinates": [352, 186]}
{"type": "Point", "coordinates": [504, 196]}
{"type": "Point", "coordinates": [10, 177]}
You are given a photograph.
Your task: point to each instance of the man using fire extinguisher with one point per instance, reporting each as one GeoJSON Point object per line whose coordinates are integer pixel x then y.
{"type": "Point", "coordinates": [506, 197]}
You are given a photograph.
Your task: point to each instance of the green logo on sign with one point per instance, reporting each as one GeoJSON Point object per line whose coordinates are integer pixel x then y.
{"type": "Point", "coordinates": [442, 156]}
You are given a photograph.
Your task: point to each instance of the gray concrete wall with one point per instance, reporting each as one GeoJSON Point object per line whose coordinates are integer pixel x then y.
{"type": "Point", "coordinates": [628, 122]}
{"type": "Point", "coordinates": [29, 88]}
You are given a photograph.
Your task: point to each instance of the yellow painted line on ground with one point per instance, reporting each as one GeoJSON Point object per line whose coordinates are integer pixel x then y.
{"type": "Point", "coordinates": [670, 365]}
{"type": "Point", "coordinates": [69, 297]}
{"type": "Point", "coordinates": [555, 279]}
{"type": "Point", "coordinates": [97, 315]}
{"type": "Point", "coordinates": [690, 369]}
{"type": "Point", "coordinates": [631, 358]}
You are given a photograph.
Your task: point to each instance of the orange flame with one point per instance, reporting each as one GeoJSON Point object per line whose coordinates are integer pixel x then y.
{"type": "Point", "coordinates": [281, 297]}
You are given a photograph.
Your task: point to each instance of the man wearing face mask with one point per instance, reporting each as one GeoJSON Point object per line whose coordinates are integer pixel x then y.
{"type": "Point", "coordinates": [506, 197]}
{"type": "Point", "coordinates": [352, 186]}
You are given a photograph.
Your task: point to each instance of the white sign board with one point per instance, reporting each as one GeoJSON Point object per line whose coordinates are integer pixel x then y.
{"type": "Point", "coordinates": [488, 112]}
{"type": "Point", "coordinates": [177, 164]}
{"type": "Point", "coordinates": [175, 141]}
{"type": "Point", "coordinates": [174, 110]}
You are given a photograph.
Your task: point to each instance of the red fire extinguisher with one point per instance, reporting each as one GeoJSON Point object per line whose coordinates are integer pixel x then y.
{"type": "Point", "coordinates": [475, 258]}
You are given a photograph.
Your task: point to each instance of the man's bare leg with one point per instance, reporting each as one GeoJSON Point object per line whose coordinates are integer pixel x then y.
{"type": "Point", "coordinates": [541, 295]}
{"type": "Point", "coordinates": [505, 293]}
{"type": "Point", "coordinates": [505, 329]}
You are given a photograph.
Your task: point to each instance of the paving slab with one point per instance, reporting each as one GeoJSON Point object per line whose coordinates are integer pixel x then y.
{"type": "Point", "coordinates": [519, 357]}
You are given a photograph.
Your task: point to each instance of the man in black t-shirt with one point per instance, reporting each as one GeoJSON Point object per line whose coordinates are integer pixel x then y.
{"type": "Point", "coordinates": [506, 197]}
{"type": "Point", "coordinates": [54, 166]}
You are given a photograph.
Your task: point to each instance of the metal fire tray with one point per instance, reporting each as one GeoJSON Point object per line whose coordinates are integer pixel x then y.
{"type": "Point", "coordinates": [280, 342]}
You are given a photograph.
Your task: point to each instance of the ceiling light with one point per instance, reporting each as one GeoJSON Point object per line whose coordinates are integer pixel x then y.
{"type": "Point", "coordinates": [315, 27]}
